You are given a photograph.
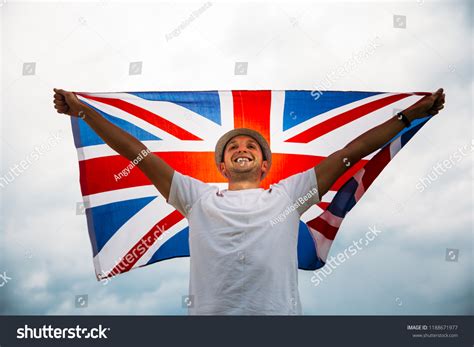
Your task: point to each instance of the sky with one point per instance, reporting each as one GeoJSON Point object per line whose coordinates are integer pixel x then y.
{"type": "Point", "coordinates": [421, 262]}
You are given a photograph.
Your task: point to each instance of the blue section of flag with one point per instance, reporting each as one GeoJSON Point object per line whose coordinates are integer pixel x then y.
{"type": "Point", "coordinates": [344, 199]}
{"type": "Point", "coordinates": [89, 138]}
{"type": "Point", "coordinates": [416, 125]}
{"type": "Point", "coordinates": [307, 256]}
{"type": "Point", "coordinates": [205, 103]}
{"type": "Point", "coordinates": [75, 131]}
{"type": "Point", "coordinates": [176, 246]}
{"type": "Point", "coordinates": [103, 221]}
{"type": "Point", "coordinates": [303, 105]}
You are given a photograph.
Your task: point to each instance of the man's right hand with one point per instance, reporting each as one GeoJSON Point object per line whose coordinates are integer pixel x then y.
{"type": "Point", "coordinates": [68, 103]}
{"type": "Point", "coordinates": [156, 169]}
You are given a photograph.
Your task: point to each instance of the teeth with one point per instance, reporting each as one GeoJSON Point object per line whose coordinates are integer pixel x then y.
{"type": "Point", "coordinates": [242, 161]}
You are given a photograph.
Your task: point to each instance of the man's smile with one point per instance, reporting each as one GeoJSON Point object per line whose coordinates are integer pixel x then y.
{"type": "Point", "coordinates": [242, 159]}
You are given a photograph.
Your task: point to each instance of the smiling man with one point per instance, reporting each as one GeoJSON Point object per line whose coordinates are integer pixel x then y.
{"type": "Point", "coordinates": [241, 262]}
{"type": "Point", "coordinates": [243, 254]}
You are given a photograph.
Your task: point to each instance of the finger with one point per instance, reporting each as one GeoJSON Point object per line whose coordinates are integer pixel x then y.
{"type": "Point", "coordinates": [62, 94]}
{"type": "Point", "coordinates": [58, 96]}
{"type": "Point", "coordinates": [435, 96]}
{"type": "Point", "coordinates": [60, 91]}
{"type": "Point", "coordinates": [439, 91]}
{"type": "Point", "coordinates": [61, 108]}
{"type": "Point", "coordinates": [59, 102]}
{"type": "Point", "coordinates": [435, 110]}
{"type": "Point", "coordinates": [441, 100]}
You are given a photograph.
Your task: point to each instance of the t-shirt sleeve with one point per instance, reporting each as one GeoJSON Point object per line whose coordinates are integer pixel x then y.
{"type": "Point", "coordinates": [185, 191]}
{"type": "Point", "coordinates": [302, 189]}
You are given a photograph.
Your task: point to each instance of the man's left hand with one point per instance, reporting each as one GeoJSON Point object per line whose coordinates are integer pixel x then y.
{"type": "Point", "coordinates": [429, 105]}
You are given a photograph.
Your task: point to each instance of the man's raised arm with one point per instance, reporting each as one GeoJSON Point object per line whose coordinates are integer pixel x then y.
{"type": "Point", "coordinates": [156, 169]}
{"type": "Point", "coordinates": [331, 168]}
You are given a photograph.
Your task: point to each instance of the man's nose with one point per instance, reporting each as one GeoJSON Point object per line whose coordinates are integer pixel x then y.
{"type": "Point", "coordinates": [242, 149]}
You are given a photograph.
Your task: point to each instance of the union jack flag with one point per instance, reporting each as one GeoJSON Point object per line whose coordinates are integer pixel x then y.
{"type": "Point", "coordinates": [131, 225]}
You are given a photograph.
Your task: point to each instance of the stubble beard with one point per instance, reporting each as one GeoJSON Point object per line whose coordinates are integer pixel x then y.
{"type": "Point", "coordinates": [244, 176]}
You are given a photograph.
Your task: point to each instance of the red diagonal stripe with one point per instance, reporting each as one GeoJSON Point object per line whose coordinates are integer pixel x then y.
{"type": "Point", "coordinates": [344, 118]}
{"type": "Point", "coordinates": [323, 205]}
{"type": "Point", "coordinates": [147, 116]}
{"type": "Point", "coordinates": [140, 248]}
{"type": "Point", "coordinates": [323, 227]}
{"type": "Point", "coordinates": [375, 166]}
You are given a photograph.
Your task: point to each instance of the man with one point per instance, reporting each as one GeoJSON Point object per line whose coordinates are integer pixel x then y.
{"type": "Point", "coordinates": [243, 247]}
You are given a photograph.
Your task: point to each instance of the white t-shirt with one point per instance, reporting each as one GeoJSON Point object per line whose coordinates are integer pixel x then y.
{"type": "Point", "coordinates": [243, 244]}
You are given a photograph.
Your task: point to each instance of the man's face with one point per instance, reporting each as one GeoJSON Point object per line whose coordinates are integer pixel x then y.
{"type": "Point", "coordinates": [243, 159]}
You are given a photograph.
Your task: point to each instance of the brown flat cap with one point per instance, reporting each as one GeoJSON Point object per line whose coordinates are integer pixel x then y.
{"type": "Point", "coordinates": [220, 146]}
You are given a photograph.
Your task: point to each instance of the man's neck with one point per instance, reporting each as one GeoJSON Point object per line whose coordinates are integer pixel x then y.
{"type": "Point", "coordinates": [240, 185]}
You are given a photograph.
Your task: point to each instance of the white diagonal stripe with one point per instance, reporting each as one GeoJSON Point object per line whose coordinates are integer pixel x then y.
{"type": "Point", "coordinates": [161, 240]}
{"type": "Point", "coordinates": [395, 146]}
{"type": "Point", "coordinates": [130, 233]}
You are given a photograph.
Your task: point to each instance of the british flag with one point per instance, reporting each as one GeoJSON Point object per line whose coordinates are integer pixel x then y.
{"type": "Point", "coordinates": [182, 127]}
